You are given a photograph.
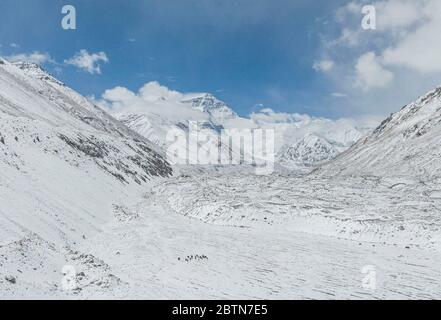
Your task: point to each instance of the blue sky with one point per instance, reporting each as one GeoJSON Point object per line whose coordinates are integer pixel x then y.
{"type": "Point", "coordinates": [246, 52]}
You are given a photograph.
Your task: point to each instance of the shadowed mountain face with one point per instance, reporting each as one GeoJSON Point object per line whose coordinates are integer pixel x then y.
{"type": "Point", "coordinates": [31, 96]}
{"type": "Point", "coordinates": [63, 160]}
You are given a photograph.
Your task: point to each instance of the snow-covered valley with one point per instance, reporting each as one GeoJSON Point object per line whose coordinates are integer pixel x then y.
{"type": "Point", "coordinates": [152, 250]}
{"type": "Point", "coordinates": [91, 209]}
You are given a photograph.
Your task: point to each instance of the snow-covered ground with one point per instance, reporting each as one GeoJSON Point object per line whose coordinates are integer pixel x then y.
{"type": "Point", "coordinates": [394, 210]}
{"type": "Point", "coordinates": [209, 244]}
{"type": "Point", "coordinates": [254, 261]}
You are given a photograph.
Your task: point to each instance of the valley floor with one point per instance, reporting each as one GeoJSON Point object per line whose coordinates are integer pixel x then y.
{"type": "Point", "coordinates": [243, 238]}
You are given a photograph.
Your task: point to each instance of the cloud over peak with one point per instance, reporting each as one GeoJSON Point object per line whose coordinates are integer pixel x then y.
{"type": "Point", "coordinates": [151, 98]}
{"type": "Point", "coordinates": [34, 57]}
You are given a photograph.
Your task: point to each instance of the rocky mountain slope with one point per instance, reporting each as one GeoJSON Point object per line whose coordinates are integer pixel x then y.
{"type": "Point", "coordinates": [64, 162]}
{"type": "Point", "coordinates": [406, 143]}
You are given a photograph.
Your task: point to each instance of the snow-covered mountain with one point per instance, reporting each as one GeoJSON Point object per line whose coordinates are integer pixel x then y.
{"type": "Point", "coordinates": [311, 150]}
{"type": "Point", "coordinates": [64, 162]}
{"type": "Point", "coordinates": [35, 71]}
{"type": "Point", "coordinates": [301, 142]}
{"type": "Point", "coordinates": [155, 126]}
{"type": "Point", "coordinates": [406, 143]}
{"type": "Point", "coordinates": [217, 109]}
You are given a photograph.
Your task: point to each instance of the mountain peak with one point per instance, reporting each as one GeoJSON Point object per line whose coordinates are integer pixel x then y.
{"type": "Point", "coordinates": [415, 118]}
{"type": "Point", "coordinates": [406, 142]}
{"type": "Point", "coordinates": [210, 104]}
{"type": "Point", "coordinates": [52, 119]}
{"type": "Point", "coordinates": [26, 65]}
{"type": "Point", "coordinates": [36, 71]}
{"type": "Point", "coordinates": [310, 150]}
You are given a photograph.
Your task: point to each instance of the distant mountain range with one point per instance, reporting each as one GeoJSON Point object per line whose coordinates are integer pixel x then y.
{"type": "Point", "coordinates": [302, 142]}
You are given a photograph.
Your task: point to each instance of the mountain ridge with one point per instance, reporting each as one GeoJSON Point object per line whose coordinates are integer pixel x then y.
{"type": "Point", "coordinates": [405, 143]}
{"type": "Point", "coordinates": [64, 161]}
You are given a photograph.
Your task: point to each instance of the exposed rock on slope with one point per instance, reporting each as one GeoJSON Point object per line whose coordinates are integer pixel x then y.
{"type": "Point", "coordinates": [63, 161]}
{"type": "Point", "coordinates": [406, 143]}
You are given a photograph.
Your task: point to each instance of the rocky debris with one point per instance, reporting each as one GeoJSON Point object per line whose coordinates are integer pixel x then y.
{"type": "Point", "coordinates": [89, 146]}
{"type": "Point", "coordinates": [11, 279]}
{"type": "Point", "coordinates": [124, 214]}
{"type": "Point", "coordinates": [108, 281]}
{"type": "Point", "coordinates": [383, 125]}
{"type": "Point", "coordinates": [89, 260]}
{"type": "Point", "coordinates": [112, 160]}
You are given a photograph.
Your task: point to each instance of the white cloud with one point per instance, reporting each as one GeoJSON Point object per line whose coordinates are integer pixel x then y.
{"type": "Point", "coordinates": [35, 57]}
{"type": "Point", "coordinates": [153, 91]}
{"type": "Point", "coordinates": [291, 127]}
{"type": "Point", "coordinates": [58, 70]}
{"type": "Point", "coordinates": [323, 65]}
{"type": "Point", "coordinates": [370, 73]}
{"type": "Point", "coordinates": [88, 62]}
{"type": "Point", "coordinates": [119, 95]}
{"type": "Point", "coordinates": [349, 37]}
{"type": "Point", "coordinates": [338, 95]}
{"type": "Point", "coordinates": [405, 34]}
{"type": "Point", "coordinates": [152, 98]}
{"type": "Point", "coordinates": [269, 116]}
{"type": "Point", "coordinates": [14, 45]}
{"type": "Point", "coordinates": [394, 14]}
{"type": "Point", "coordinates": [391, 14]}
{"type": "Point", "coordinates": [389, 66]}
{"type": "Point", "coordinates": [419, 50]}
